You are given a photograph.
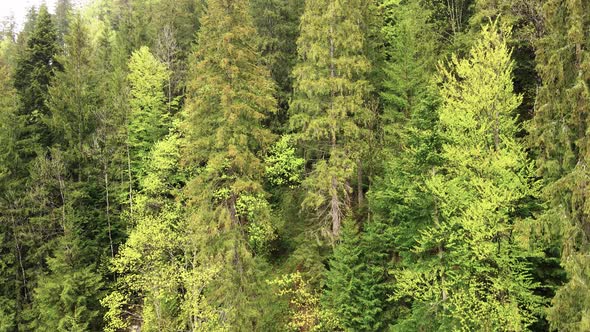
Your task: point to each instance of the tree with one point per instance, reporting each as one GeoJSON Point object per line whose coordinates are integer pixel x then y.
{"type": "Point", "coordinates": [63, 12]}
{"type": "Point", "coordinates": [471, 270]}
{"type": "Point", "coordinates": [67, 298]}
{"type": "Point", "coordinates": [148, 118]}
{"type": "Point", "coordinates": [329, 111]}
{"type": "Point", "coordinates": [356, 282]}
{"type": "Point", "coordinates": [35, 68]}
{"type": "Point", "coordinates": [73, 99]}
{"type": "Point", "coordinates": [230, 97]}
{"type": "Point", "coordinates": [559, 137]}
{"type": "Point", "coordinates": [11, 278]}
{"type": "Point", "coordinates": [277, 23]}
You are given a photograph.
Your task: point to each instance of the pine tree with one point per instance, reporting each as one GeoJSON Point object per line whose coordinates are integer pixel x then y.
{"type": "Point", "coordinates": [230, 96]}
{"type": "Point", "coordinates": [470, 270]}
{"type": "Point", "coordinates": [558, 135]}
{"type": "Point", "coordinates": [330, 112]}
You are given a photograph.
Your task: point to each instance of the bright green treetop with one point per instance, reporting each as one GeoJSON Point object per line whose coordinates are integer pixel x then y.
{"type": "Point", "coordinates": [148, 118]}
{"type": "Point", "coordinates": [470, 271]}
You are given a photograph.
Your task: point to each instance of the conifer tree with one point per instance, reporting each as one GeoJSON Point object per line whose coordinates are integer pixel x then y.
{"type": "Point", "coordinates": [559, 133]}
{"type": "Point", "coordinates": [277, 23]}
{"type": "Point", "coordinates": [330, 112]}
{"type": "Point", "coordinates": [356, 282]}
{"type": "Point", "coordinates": [35, 68]}
{"type": "Point", "coordinates": [73, 99]}
{"type": "Point", "coordinates": [230, 96]}
{"type": "Point", "coordinates": [10, 279]}
{"type": "Point", "coordinates": [470, 270]}
{"type": "Point", "coordinates": [67, 298]}
{"type": "Point", "coordinates": [63, 12]}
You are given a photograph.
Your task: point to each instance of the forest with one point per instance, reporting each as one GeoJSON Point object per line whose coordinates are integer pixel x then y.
{"type": "Point", "coordinates": [296, 165]}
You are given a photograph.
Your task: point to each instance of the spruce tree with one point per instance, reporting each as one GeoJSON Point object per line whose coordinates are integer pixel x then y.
{"type": "Point", "coordinates": [277, 23]}
{"type": "Point", "coordinates": [559, 132]}
{"type": "Point", "coordinates": [35, 68]}
{"type": "Point", "coordinates": [230, 96]}
{"type": "Point", "coordinates": [470, 270]}
{"type": "Point", "coordinates": [330, 112]}
{"type": "Point", "coordinates": [356, 282]}
{"type": "Point", "coordinates": [10, 278]}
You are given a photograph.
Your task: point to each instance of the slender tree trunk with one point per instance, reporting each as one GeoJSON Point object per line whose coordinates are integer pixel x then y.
{"type": "Point", "coordinates": [130, 177]}
{"type": "Point", "coordinates": [108, 208]}
{"type": "Point", "coordinates": [359, 175]}
{"type": "Point", "coordinates": [335, 211]}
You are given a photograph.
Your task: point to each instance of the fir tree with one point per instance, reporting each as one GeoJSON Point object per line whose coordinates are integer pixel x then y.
{"type": "Point", "coordinates": [35, 68]}
{"type": "Point", "coordinates": [330, 112]}
{"type": "Point", "coordinates": [230, 96]}
{"type": "Point", "coordinates": [10, 278]}
{"type": "Point", "coordinates": [277, 23]}
{"type": "Point", "coordinates": [559, 132]}
{"type": "Point", "coordinates": [356, 287]}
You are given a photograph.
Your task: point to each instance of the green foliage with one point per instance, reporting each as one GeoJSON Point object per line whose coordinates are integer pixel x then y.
{"type": "Point", "coordinates": [148, 120]}
{"type": "Point", "coordinates": [283, 167]}
{"type": "Point", "coordinates": [277, 23]}
{"type": "Point", "coordinates": [306, 313]}
{"type": "Point", "coordinates": [558, 134]}
{"type": "Point", "coordinates": [152, 182]}
{"type": "Point", "coordinates": [356, 287]}
{"type": "Point", "coordinates": [471, 268]}
{"type": "Point", "coordinates": [35, 68]}
{"type": "Point", "coordinates": [67, 298]}
{"type": "Point", "coordinates": [329, 112]}
{"type": "Point", "coordinates": [231, 94]}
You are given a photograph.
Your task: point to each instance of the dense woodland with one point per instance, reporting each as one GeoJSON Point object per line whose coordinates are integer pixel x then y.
{"type": "Point", "coordinates": [296, 165]}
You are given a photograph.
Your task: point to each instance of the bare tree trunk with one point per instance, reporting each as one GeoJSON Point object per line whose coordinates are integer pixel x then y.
{"type": "Point", "coordinates": [359, 175]}
{"type": "Point", "coordinates": [335, 209]}
{"type": "Point", "coordinates": [130, 177]}
{"type": "Point", "coordinates": [108, 208]}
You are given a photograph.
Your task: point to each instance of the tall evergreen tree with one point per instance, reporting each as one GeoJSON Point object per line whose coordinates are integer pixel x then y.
{"type": "Point", "coordinates": [470, 272]}
{"type": "Point", "coordinates": [68, 185]}
{"type": "Point", "coordinates": [230, 96]}
{"type": "Point", "coordinates": [559, 135]}
{"type": "Point", "coordinates": [63, 12]}
{"type": "Point", "coordinates": [330, 112]}
{"type": "Point", "coordinates": [35, 68]}
{"type": "Point", "coordinates": [11, 278]}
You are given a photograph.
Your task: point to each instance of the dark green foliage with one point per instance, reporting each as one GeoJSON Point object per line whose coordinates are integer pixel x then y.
{"type": "Point", "coordinates": [277, 23]}
{"type": "Point", "coordinates": [35, 68]}
{"type": "Point", "coordinates": [330, 111]}
{"type": "Point", "coordinates": [559, 136]}
{"type": "Point", "coordinates": [356, 282]}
